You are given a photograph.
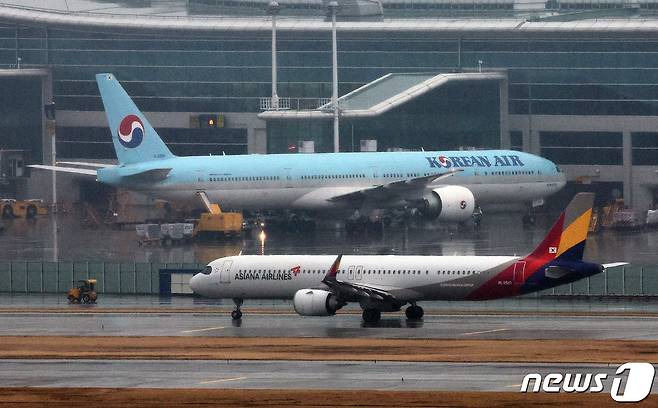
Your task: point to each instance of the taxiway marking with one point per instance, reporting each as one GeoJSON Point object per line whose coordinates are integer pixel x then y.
{"type": "Point", "coordinates": [223, 380]}
{"type": "Point", "coordinates": [202, 330]}
{"type": "Point", "coordinates": [483, 332]}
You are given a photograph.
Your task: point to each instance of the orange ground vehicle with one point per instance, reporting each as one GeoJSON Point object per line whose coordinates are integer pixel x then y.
{"type": "Point", "coordinates": [84, 292]}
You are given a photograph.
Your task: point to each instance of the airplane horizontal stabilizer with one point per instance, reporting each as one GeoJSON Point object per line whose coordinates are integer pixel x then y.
{"type": "Point", "coordinates": [86, 164]}
{"type": "Point", "coordinates": [614, 265]}
{"type": "Point", "coordinates": [74, 170]}
{"type": "Point", "coordinates": [148, 175]}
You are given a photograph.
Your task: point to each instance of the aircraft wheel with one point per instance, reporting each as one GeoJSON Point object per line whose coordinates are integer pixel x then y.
{"type": "Point", "coordinates": [236, 315]}
{"type": "Point", "coordinates": [371, 315]}
{"type": "Point", "coordinates": [414, 312]}
{"type": "Point", "coordinates": [31, 212]}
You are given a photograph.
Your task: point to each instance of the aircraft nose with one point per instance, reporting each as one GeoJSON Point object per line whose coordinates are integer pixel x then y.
{"type": "Point", "coordinates": [195, 283]}
{"type": "Point", "coordinates": [562, 180]}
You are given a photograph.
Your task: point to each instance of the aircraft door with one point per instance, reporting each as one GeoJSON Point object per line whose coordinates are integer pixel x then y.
{"type": "Point", "coordinates": [287, 182]}
{"type": "Point", "coordinates": [359, 272]}
{"type": "Point", "coordinates": [225, 272]}
{"type": "Point", "coordinates": [519, 272]}
{"type": "Point", "coordinates": [374, 171]}
{"type": "Point", "coordinates": [350, 273]}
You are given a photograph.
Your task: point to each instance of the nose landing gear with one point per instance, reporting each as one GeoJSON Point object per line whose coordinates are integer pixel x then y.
{"type": "Point", "coordinates": [414, 312]}
{"type": "Point", "coordinates": [237, 313]}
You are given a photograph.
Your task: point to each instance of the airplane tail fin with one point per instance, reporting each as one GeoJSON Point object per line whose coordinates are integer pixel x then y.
{"type": "Point", "coordinates": [566, 239]}
{"type": "Point", "coordinates": [133, 137]}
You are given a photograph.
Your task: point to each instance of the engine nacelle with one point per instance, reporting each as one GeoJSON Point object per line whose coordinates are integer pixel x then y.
{"type": "Point", "coordinates": [315, 302]}
{"type": "Point", "coordinates": [448, 203]}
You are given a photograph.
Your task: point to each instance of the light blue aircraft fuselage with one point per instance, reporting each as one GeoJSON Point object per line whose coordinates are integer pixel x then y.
{"type": "Point", "coordinates": [310, 181]}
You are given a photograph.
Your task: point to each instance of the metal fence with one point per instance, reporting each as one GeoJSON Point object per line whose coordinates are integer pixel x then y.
{"type": "Point", "coordinates": [57, 277]}
{"type": "Point", "coordinates": [621, 281]}
{"type": "Point", "coordinates": [144, 278]}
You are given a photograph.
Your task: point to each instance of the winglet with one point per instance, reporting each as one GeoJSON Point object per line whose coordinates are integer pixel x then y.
{"type": "Point", "coordinates": [333, 271]}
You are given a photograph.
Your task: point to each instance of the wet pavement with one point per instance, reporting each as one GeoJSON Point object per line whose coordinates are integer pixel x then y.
{"type": "Point", "coordinates": [500, 234]}
{"type": "Point", "coordinates": [345, 326]}
{"type": "Point", "coordinates": [382, 375]}
{"type": "Point", "coordinates": [526, 305]}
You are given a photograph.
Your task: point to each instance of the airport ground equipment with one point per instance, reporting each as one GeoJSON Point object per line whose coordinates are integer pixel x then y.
{"type": "Point", "coordinates": [10, 208]}
{"type": "Point", "coordinates": [85, 292]}
{"type": "Point", "coordinates": [618, 216]}
{"type": "Point", "coordinates": [171, 233]}
{"type": "Point", "coordinates": [215, 222]}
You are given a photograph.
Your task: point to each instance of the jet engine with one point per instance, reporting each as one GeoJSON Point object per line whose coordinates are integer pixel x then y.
{"type": "Point", "coordinates": [315, 302]}
{"type": "Point", "coordinates": [448, 203]}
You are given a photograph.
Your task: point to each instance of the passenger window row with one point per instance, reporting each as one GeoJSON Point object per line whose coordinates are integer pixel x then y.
{"type": "Point", "coordinates": [371, 271]}
{"type": "Point", "coordinates": [251, 178]}
{"type": "Point", "coordinates": [333, 176]}
{"type": "Point", "coordinates": [511, 173]}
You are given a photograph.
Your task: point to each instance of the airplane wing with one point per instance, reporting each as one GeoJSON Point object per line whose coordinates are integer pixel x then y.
{"type": "Point", "coordinates": [388, 190]}
{"type": "Point", "coordinates": [74, 170]}
{"type": "Point", "coordinates": [349, 290]}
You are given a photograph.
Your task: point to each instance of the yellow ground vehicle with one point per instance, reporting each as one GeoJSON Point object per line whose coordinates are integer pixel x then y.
{"type": "Point", "coordinates": [215, 222]}
{"type": "Point", "coordinates": [10, 208]}
{"type": "Point", "coordinates": [84, 292]}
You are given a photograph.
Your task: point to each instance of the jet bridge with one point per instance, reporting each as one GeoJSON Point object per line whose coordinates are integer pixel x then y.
{"type": "Point", "coordinates": [395, 90]}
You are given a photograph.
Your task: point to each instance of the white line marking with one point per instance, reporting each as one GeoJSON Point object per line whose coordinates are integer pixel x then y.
{"type": "Point", "coordinates": [513, 386]}
{"type": "Point", "coordinates": [202, 330]}
{"type": "Point", "coordinates": [223, 380]}
{"type": "Point", "coordinates": [483, 332]}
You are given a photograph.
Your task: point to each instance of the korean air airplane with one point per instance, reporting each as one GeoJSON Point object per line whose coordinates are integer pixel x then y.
{"type": "Point", "coordinates": [319, 285]}
{"type": "Point", "coordinates": [441, 184]}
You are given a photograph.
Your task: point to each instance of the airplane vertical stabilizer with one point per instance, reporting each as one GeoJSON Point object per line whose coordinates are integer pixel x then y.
{"type": "Point", "coordinates": [133, 137]}
{"type": "Point", "coordinates": [566, 240]}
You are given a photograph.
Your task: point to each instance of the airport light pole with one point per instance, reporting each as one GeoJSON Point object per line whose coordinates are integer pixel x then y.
{"type": "Point", "coordinates": [333, 8]}
{"type": "Point", "coordinates": [273, 9]}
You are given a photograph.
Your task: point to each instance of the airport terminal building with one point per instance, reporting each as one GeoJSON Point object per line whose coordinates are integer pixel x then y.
{"type": "Point", "coordinates": [575, 81]}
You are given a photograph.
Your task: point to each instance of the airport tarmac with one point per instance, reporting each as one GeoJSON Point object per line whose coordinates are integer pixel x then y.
{"type": "Point", "coordinates": [388, 376]}
{"type": "Point", "coordinates": [521, 304]}
{"type": "Point", "coordinates": [462, 326]}
{"type": "Point", "coordinates": [500, 234]}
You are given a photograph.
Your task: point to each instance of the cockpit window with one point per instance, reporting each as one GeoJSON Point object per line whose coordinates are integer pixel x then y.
{"type": "Point", "coordinates": [558, 169]}
{"type": "Point", "coordinates": [207, 270]}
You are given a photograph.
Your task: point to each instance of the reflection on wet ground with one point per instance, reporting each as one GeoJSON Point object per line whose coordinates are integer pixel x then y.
{"type": "Point", "coordinates": [529, 304]}
{"type": "Point", "coordinates": [500, 234]}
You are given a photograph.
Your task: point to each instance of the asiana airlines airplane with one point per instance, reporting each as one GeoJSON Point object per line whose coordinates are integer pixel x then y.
{"type": "Point", "coordinates": [441, 184]}
{"type": "Point", "coordinates": [320, 285]}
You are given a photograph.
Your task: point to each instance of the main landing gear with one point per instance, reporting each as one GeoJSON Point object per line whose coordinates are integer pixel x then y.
{"type": "Point", "coordinates": [414, 312]}
{"type": "Point", "coordinates": [371, 315]}
{"type": "Point", "coordinates": [237, 313]}
{"type": "Point", "coordinates": [529, 218]}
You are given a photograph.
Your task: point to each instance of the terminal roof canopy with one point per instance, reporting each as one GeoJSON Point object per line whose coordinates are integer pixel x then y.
{"type": "Point", "coordinates": [383, 94]}
{"type": "Point", "coordinates": [380, 90]}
